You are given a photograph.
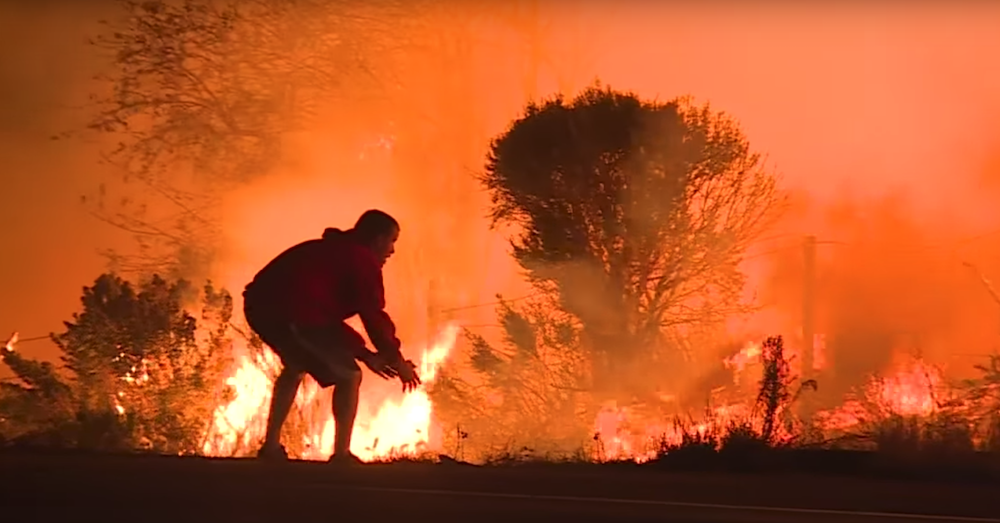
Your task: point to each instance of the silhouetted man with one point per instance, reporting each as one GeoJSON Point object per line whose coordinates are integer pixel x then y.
{"type": "Point", "coordinates": [297, 304]}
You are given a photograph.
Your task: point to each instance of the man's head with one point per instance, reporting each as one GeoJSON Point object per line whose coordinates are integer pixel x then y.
{"type": "Point", "coordinates": [379, 231]}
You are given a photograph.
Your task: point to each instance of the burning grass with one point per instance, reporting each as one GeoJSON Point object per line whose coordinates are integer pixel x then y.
{"type": "Point", "coordinates": [909, 425]}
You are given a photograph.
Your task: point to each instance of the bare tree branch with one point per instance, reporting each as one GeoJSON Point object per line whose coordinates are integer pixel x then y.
{"type": "Point", "coordinates": [202, 93]}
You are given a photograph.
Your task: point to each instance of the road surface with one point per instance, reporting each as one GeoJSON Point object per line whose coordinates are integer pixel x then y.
{"type": "Point", "coordinates": [111, 489]}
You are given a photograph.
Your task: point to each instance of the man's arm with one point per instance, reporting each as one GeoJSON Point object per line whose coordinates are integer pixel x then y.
{"type": "Point", "coordinates": [379, 326]}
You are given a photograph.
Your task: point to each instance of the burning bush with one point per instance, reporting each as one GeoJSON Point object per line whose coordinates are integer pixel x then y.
{"type": "Point", "coordinates": [528, 390]}
{"type": "Point", "coordinates": [136, 373]}
{"type": "Point", "coordinates": [770, 422]}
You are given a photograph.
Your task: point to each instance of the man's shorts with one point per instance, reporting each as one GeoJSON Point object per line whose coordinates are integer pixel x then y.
{"type": "Point", "coordinates": [326, 353]}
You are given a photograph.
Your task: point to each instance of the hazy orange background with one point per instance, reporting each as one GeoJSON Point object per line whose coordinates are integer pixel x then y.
{"type": "Point", "coordinates": [850, 102]}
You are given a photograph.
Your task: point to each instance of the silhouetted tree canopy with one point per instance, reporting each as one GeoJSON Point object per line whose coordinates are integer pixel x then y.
{"type": "Point", "coordinates": [139, 373]}
{"type": "Point", "coordinates": [636, 213]}
{"type": "Point", "coordinates": [200, 95]}
{"type": "Point", "coordinates": [213, 86]}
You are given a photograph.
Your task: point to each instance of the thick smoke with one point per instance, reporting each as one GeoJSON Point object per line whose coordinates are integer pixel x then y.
{"type": "Point", "coordinates": [892, 282]}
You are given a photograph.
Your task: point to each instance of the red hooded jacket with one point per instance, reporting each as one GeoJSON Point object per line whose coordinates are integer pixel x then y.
{"type": "Point", "coordinates": [321, 282]}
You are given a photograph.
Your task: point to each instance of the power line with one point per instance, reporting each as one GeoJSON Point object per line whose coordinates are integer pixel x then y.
{"type": "Point", "coordinates": [841, 243]}
{"type": "Point", "coordinates": [493, 303]}
{"type": "Point", "coordinates": [36, 338]}
{"type": "Point", "coordinates": [770, 252]}
{"type": "Point", "coordinates": [29, 340]}
{"type": "Point", "coordinates": [929, 246]}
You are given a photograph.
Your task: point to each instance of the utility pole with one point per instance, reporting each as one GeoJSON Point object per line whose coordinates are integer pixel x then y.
{"type": "Point", "coordinates": [808, 323]}
{"type": "Point", "coordinates": [808, 306]}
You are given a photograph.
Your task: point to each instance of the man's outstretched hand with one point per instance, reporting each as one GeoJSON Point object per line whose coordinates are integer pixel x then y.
{"type": "Point", "coordinates": [386, 368]}
{"type": "Point", "coordinates": [380, 366]}
{"type": "Point", "coordinates": [407, 372]}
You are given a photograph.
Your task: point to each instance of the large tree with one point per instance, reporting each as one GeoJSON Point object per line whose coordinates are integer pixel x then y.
{"type": "Point", "coordinates": [140, 370]}
{"type": "Point", "coordinates": [636, 215]}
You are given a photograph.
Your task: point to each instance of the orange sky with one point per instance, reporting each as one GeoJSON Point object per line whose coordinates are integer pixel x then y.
{"type": "Point", "coordinates": [842, 98]}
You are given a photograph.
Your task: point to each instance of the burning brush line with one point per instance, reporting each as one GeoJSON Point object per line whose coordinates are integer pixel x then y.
{"type": "Point", "coordinates": [401, 425]}
{"type": "Point", "coordinates": [912, 388]}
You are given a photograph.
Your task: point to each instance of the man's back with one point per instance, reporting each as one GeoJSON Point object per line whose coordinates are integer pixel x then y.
{"type": "Point", "coordinates": [318, 282]}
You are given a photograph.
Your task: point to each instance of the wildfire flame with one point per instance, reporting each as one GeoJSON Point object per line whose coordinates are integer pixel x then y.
{"type": "Point", "coordinates": [399, 425]}
{"type": "Point", "coordinates": [910, 391]}
{"type": "Point", "coordinates": [11, 342]}
{"type": "Point", "coordinates": [909, 388]}
{"type": "Point", "coordinates": [748, 354]}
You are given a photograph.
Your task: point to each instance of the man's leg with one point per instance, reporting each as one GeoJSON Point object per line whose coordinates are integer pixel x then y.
{"type": "Point", "coordinates": [286, 386]}
{"type": "Point", "coordinates": [277, 336]}
{"type": "Point", "coordinates": [330, 351]}
{"type": "Point", "coordinates": [345, 409]}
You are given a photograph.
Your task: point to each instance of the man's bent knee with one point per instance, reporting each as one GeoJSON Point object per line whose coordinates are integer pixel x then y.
{"type": "Point", "coordinates": [350, 378]}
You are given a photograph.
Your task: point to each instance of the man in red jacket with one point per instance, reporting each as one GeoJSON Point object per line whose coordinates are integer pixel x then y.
{"type": "Point", "coordinates": [297, 305]}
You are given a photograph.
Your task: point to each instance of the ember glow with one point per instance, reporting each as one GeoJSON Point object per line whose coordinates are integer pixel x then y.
{"type": "Point", "coordinates": [398, 425]}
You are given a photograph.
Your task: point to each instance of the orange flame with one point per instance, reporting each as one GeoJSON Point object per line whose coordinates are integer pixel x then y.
{"type": "Point", "coordinates": [910, 389]}
{"type": "Point", "coordinates": [396, 426]}
{"type": "Point", "coordinates": [11, 342]}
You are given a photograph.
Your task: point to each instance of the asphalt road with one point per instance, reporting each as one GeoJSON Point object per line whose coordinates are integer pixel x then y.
{"type": "Point", "coordinates": [109, 489]}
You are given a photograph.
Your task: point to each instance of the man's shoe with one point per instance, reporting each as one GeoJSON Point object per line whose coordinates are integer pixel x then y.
{"type": "Point", "coordinates": [272, 453]}
{"type": "Point", "coordinates": [346, 459]}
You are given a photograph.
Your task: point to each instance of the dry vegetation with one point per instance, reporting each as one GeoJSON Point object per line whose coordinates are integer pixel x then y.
{"type": "Point", "coordinates": [959, 440]}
